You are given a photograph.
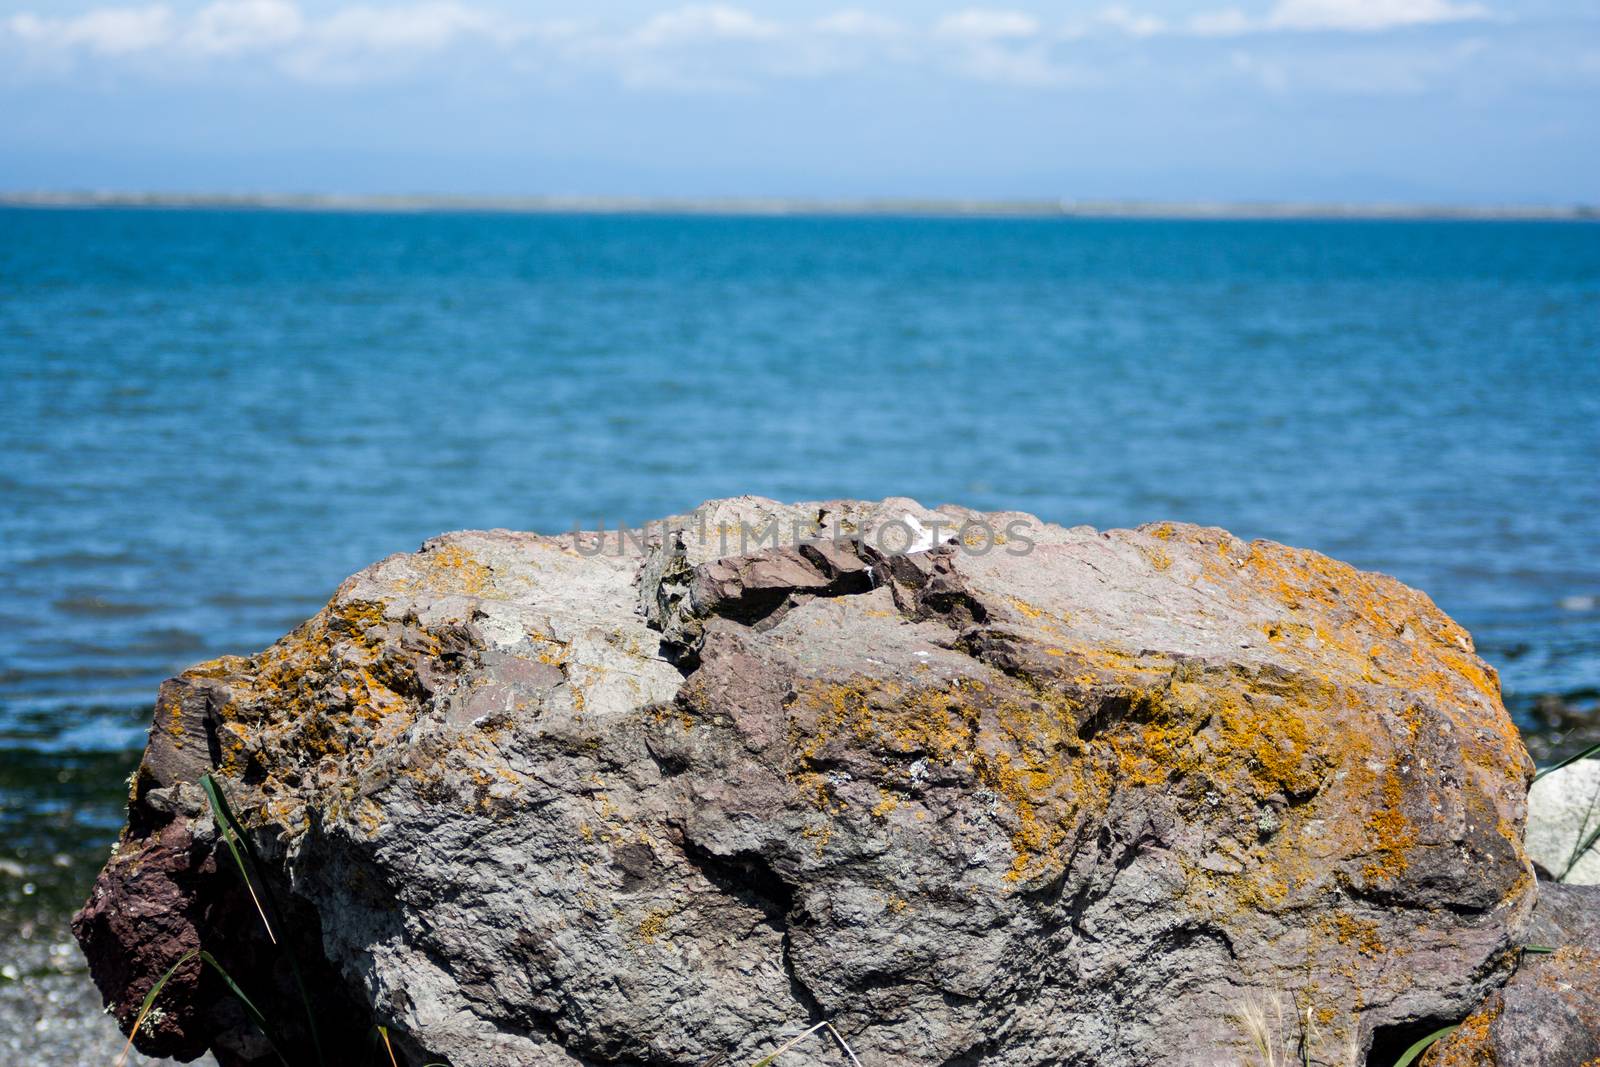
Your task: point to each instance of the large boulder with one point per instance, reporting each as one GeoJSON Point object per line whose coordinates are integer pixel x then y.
{"type": "Point", "coordinates": [975, 788]}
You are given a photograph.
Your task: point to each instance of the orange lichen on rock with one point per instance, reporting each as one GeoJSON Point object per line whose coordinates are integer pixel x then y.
{"type": "Point", "coordinates": [1004, 741]}
{"type": "Point", "coordinates": [1390, 832]}
{"type": "Point", "coordinates": [452, 568]}
{"type": "Point", "coordinates": [322, 702]}
{"type": "Point", "coordinates": [1021, 739]}
{"type": "Point", "coordinates": [1471, 1044]}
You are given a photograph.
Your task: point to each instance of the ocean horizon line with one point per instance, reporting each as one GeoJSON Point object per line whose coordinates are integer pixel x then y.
{"type": "Point", "coordinates": [756, 206]}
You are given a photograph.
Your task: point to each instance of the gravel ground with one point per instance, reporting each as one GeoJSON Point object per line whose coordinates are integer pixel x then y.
{"type": "Point", "coordinates": [50, 1013]}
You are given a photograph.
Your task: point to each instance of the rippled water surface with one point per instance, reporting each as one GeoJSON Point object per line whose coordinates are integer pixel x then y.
{"type": "Point", "coordinates": [209, 419]}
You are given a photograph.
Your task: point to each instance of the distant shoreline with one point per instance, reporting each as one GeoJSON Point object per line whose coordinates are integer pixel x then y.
{"type": "Point", "coordinates": [778, 207]}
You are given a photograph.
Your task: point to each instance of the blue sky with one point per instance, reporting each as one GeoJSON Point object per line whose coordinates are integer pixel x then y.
{"type": "Point", "coordinates": [1359, 100]}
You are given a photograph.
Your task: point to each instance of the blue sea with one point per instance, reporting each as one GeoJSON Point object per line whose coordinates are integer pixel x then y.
{"type": "Point", "coordinates": [209, 418]}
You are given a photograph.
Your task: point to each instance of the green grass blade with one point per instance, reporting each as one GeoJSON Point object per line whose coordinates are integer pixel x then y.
{"type": "Point", "coordinates": [1593, 751]}
{"type": "Point", "coordinates": [150, 1000]}
{"type": "Point", "coordinates": [238, 846]}
{"type": "Point", "coordinates": [249, 1006]}
{"type": "Point", "coordinates": [1583, 847]}
{"type": "Point", "coordinates": [1421, 1046]}
{"type": "Point", "coordinates": [1539, 950]}
{"type": "Point", "coordinates": [244, 855]}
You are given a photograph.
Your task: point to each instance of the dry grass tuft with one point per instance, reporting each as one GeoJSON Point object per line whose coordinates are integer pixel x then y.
{"type": "Point", "coordinates": [766, 1060]}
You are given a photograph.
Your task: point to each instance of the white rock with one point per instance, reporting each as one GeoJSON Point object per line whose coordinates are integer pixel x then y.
{"type": "Point", "coordinates": [1563, 812]}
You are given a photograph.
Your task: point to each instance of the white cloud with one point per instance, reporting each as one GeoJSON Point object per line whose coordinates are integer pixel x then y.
{"type": "Point", "coordinates": [1000, 46]}
{"type": "Point", "coordinates": [1131, 22]}
{"type": "Point", "coordinates": [106, 30]}
{"type": "Point", "coordinates": [701, 48]}
{"type": "Point", "coordinates": [857, 23]}
{"type": "Point", "coordinates": [421, 27]}
{"type": "Point", "coordinates": [708, 47]}
{"type": "Point", "coordinates": [987, 24]}
{"type": "Point", "coordinates": [1358, 71]}
{"type": "Point", "coordinates": [711, 22]}
{"type": "Point", "coordinates": [1369, 14]}
{"type": "Point", "coordinates": [1229, 22]}
{"type": "Point", "coordinates": [1029, 68]}
{"type": "Point", "coordinates": [366, 44]}
{"type": "Point", "coordinates": [1358, 16]}
{"type": "Point", "coordinates": [230, 26]}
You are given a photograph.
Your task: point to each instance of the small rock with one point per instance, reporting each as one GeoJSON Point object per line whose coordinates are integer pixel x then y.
{"type": "Point", "coordinates": [1548, 1014]}
{"type": "Point", "coordinates": [1563, 814]}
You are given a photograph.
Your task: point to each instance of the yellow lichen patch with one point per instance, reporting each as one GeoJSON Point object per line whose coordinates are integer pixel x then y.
{"type": "Point", "coordinates": [1028, 610]}
{"type": "Point", "coordinates": [1362, 934]}
{"type": "Point", "coordinates": [981, 538]}
{"type": "Point", "coordinates": [1216, 738]}
{"type": "Point", "coordinates": [368, 815]}
{"type": "Point", "coordinates": [819, 836]}
{"type": "Point", "coordinates": [221, 667]}
{"type": "Point", "coordinates": [454, 569]}
{"type": "Point", "coordinates": [1389, 832]}
{"type": "Point", "coordinates": [173, 712]}
{"type": "Point", "coordinates": [1333, 619]}
{"type": "Point", "coordinates": [1158, 557]}
{"type": "Point", "coordinates": [1012, 743]}
{"type": "Point", "coordinates": [379, 701]}
{"type": "Point", "coordinates": [609, 827]}
{"type": "Point", "coordinates": [1264, 750]}
{"type": "Point", "coordinates": [1275, 741]}
{"type": "Point", "coordinates": [1252, 744]}
{"type": "Point", "coordinates": [322, 703]}
{"type": "Point", "coordinates": [1472, 1043]}
{"type": "Point", "coordinates": [1348, 608]}
{"type": "Point", "coordinates": [358, 616]}
{"type": "Point", "coordinates": [654, 925]}
{"type": "Point", "coordinates": [1252, 753]}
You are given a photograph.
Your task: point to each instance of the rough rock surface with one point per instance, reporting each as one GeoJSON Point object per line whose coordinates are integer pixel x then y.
{"type": "Point", "coordinates": [1563, 814]}
{"type": "Point", "coordinates": [1029, 796]}
{"type": "Point", "coordinates": [1548, 1015]}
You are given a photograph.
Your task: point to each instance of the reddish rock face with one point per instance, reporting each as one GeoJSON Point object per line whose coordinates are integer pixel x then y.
{"type": "Point", "coordinates": [140, 920]}
{"type": "Point", "coordinates": [1025, 796]}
